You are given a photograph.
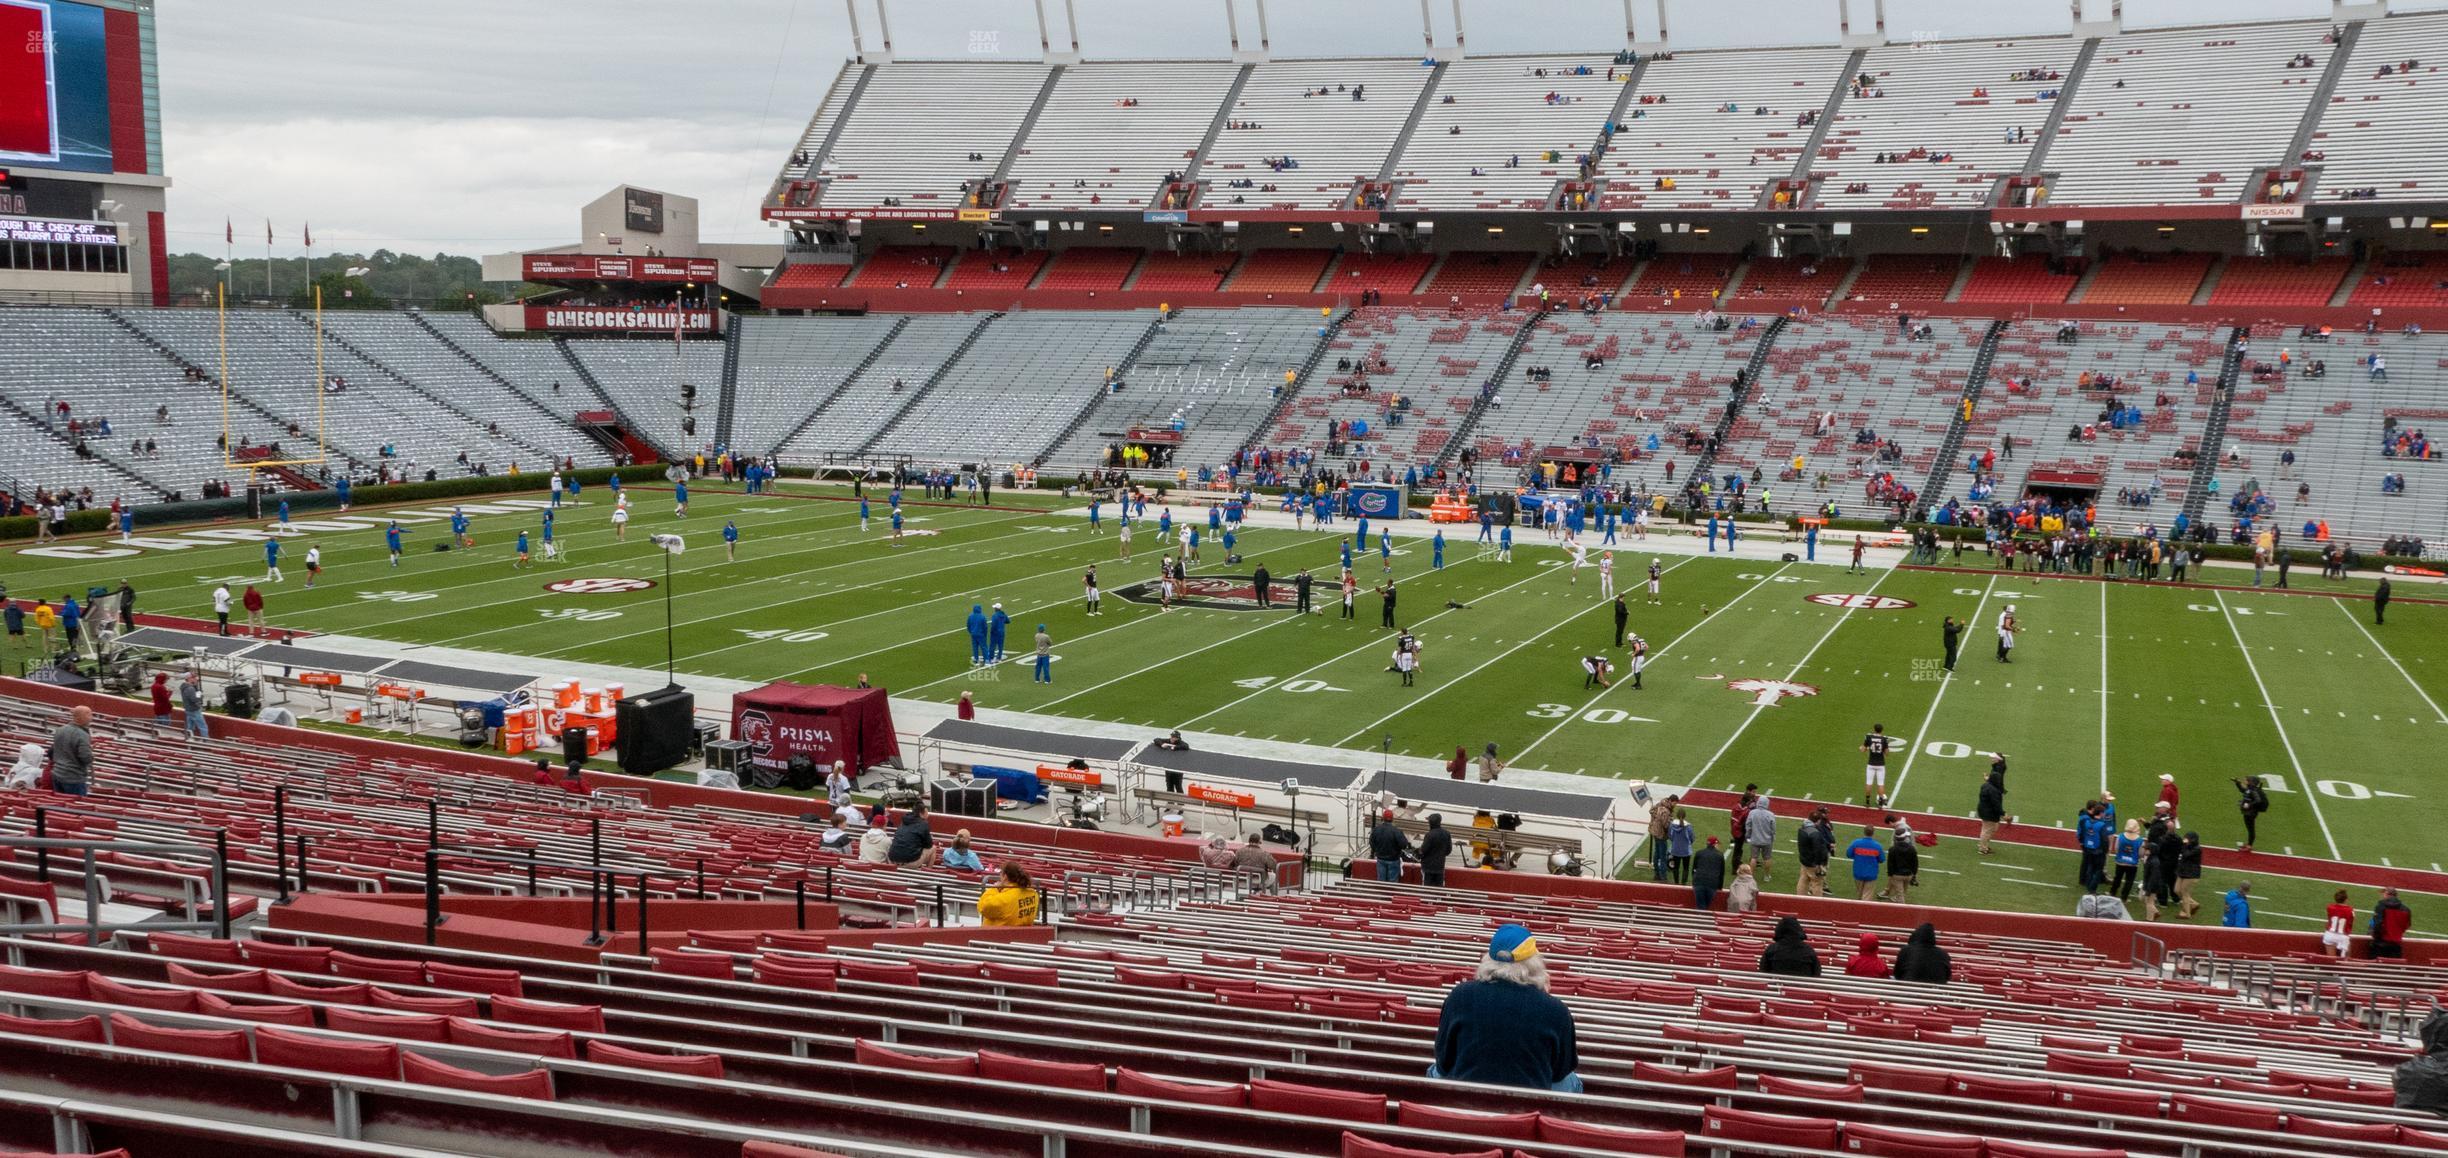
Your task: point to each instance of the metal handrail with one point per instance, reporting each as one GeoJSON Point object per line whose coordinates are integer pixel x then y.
{"type": "Point", "coordinates": [94, 928]}
{"type": "Point", "coordinates": [603, 891]}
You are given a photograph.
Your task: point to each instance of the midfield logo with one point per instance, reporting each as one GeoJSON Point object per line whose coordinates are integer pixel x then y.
{"type": "Point", "coordinates": [1766, 693]}
{"type": "Point", "coordinates": [1217, 593]}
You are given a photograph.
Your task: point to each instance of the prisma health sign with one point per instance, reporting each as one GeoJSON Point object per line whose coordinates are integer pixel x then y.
{"type": "Point", "coordinates": [54, 86]}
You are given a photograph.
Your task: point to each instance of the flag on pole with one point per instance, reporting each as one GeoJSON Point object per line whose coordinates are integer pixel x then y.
{"type": "Point", "coordinates": [229, 232]}
{"type": "Point", "coordinates": [267, 232]}
{"type": "Point", "coordinates": [672, 543]}
{"type": "Point", "coordinates": [310, 235]}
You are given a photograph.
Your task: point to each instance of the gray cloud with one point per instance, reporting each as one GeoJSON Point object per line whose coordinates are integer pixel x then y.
{"type": "Point", "coordinates": [472, 126]}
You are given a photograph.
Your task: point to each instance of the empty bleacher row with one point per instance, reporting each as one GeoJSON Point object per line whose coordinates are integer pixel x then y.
{"type": "Point", "coordinates": [1829, 381]}
{"type": "Point", "coordinates": [1413, 377]}
{"type": "Point", "coordinates": [2044, 394]}
{"type": "Point", "coordinates": [1710, 130]}
{"type": "Point", "coordinates": [2162, 116]}
{"type": "Point", "coordinates": [1659, 377]}
{"type": "Point", "coordinates": [2341, 429]}
{"type": "Point", "coordinates": [1212, 374]}
{"type": "Point", "coordinates": [1021, 386]}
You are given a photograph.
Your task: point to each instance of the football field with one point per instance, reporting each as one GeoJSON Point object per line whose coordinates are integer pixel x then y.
{"type": "Point", "coordinates": [1760, 672]}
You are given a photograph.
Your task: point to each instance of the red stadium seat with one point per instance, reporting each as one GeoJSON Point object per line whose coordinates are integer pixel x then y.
{"type": "Point", "coordinates": [1876, 1076]}
{"type": "Point", "coordinates": [778, 1150]}
{"type": "Point", "coordinates": [404, 1026]}
{"type": "Point", "coordinates": [338, 992]}
{"type": "Point", "coordinates": [1885, 1142]}
{"type": "Point", "coordinates": [242, 981]}
{"type": "Point", "coordinates": [2010, 1091]}
{"type": "Point", "coordinates": [225, 1044]}
{"type": "Point", "coordinates": [2089, 1099]}
{"type": "Point", "coordinates": [1355, 1146]}
{"type": "Point", "coordinates": [1415, 1116]}
{"type": "Point", "coordinates": [2088, 1065]}
{"type": "Point", "coordinates": [109, 991]}
{"type": "Point", "coordinates": [1580, 1136]}
{"type": "Point", "coordinates": [273, 1013]}
{"type": "Point", "coordinates": [188, 947]}
{"type": "Point", "coordinates": [2189, 1107]}
{"type": "Point", "coordinates": [1720, 1123]}
{"type": "Point", "coordinates": [2432, 1139]}
{"type": "Point", "coordinates": [870, 1054]}
{"type": "Point", "coordinates": [474, 979]}
{"type": "Point", "coordinates": [2002, 1148]}
{"type": "Point", "coordinates": [1721, 1078]}
{"type": "Point", "coordinates": [1138, 1085]}
{"type": "Point", "coordinates": [425, 1071]}
{"type": "Point", "coordinates": [306, 1051]}
{"type": "Point", "coordinates": [69, 983]}
{"type": "Point", "coordinates": [477, 1035]}
{"type": "Point", "coordinates": [690, 963]}
{"type": "Point", "coordinates": [549, 1014]}
{"type": "Point", "coordinates": [1022, 974]}
{"type": "Point", "coordinates": [1317, 1102]}
{"type": "Point", "coordinates": [789, 973]}
{"type": "Point", "coordinates": [382, 998]}
{"type": "Point", "coordinates": [387, 970]}
{"type": "Point", "coordinates": [294, 958]}
{"type": "Point", "coordinates": [2384, 1132]}
{"type": "Point", "coordinates": [875, 974]}
{"type": "Point", "coordinates": [1029, 1072]}
{"type": "Point", "coordinates": [1817, 1091]}
{"type": "Point", "coordinates": [704, 1065]}
{"type": "Point", "coordinates": [86, 1028]}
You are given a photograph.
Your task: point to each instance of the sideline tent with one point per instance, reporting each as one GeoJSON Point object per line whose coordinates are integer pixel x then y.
{"type": "Point", "coordinates": [823, 722]}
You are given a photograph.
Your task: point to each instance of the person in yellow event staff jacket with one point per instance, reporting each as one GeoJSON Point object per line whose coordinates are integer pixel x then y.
{"type": "Point", "coordinates": [1010, 901]}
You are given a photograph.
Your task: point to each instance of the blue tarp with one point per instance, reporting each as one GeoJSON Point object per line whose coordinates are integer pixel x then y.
{"type": "Point", "coordinates": [1011, 783]}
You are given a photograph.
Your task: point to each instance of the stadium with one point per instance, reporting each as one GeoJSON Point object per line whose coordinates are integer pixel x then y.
{"type": "Point", "coordinates": [1657, 596]}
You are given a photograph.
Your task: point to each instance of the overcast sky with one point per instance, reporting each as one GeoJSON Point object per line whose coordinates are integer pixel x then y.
{"type": "Point", "coordinates": [476, 126]}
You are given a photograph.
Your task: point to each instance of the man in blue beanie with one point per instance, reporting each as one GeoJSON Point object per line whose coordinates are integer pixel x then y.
{"type": "Point", "coordinates": [977, 634]}
{"type": "Point", "coordinates": [1502, 1027]}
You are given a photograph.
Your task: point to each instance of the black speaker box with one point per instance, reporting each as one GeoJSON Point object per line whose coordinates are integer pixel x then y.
{"type": "Point", "coordinates": [656, 729]}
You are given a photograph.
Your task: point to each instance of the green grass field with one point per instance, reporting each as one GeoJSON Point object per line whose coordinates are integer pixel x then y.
{"type": "Point", "coordinates": [2112, 683]}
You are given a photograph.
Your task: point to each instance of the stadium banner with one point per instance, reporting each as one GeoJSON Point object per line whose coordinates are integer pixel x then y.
{"type": "Point", "coordinates": [596, 267]}
{"type": "Point", "coordinates": [873, 213]}
{"type": "Point", "coordinates": [54, 86]}
{"type": "Point", "coordinates": [45, 229]}
{"type": "Point", "coordinates": [2293, 212]}
{"type": "Point", "coordinates": [1379, 501]}
{"type": "Point", "coordinates": [977, 215]}
{"type": "Point", "coordinates": [589, 318]}
{"type": "Point", "coordinates": [822, 722]}
{"type": "Point", "coordinates": [1166, 217]}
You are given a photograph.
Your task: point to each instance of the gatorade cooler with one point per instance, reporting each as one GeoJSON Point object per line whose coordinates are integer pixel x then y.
{"type": "Point", "coordinates": [356, 715]}
{"type": "Point", "coordinates": [566, 695]}
{"type": "Point", "coordinates": [592, 700]}
{"type": "Point", "coordinates": [1172, 824]}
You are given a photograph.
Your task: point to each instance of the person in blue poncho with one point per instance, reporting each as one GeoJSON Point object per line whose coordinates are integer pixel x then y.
{"type": "Point", "coordinates": [995, 627]}
{"type": "Point", "coordinates": [977, 634]}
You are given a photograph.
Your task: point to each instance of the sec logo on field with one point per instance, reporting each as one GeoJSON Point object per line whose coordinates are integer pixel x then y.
{"type": "Point", "coordinates": [1860, 602]}
{"type": "Point", "coordinates": [597, 586]}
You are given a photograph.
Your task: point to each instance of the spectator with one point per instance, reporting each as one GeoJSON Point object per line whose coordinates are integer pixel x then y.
{"type": "Point", "coordinates": [191, 701]}
{"type": "Point", "coordinates": [1707, 874]}
{"type": "Point", "coordinates": [2422, 1082]}
{"type": "Point", "coordinates": [2101, 907]}
{"type": "Point", "coordinates": [2238, 912]}
{"type": "Point", "coordinates": [72, 753]}
{"type": "Point", "coordinates": [2251, 800]}
{"type": "Point", "coordinates": [1922, 960]}
{"type": "Point", "coordinates": [1992, 806]}
{"type": "Point", "coordinates": [1812, 848]}
{"type": "Point", "coordinates": [1010, 901]}
{"type": "Point", "coordinates": [1661, 822]}
{"type": "Point", "coordinates": [1866, 961]}
{"type": "Point", "coordinates": [26, 773]}
{"type": "Point", "coordinates": [960, 856]}
{"type": "Point", "coordinates": [1743, 895]}
{"type": "Point", "coordinates": [1217, 853]}
{"type": "Point", "coordinates": [1503, 1028]}
{"type": "Point", "coordinates": [1254, 859]}
{"type": "Point", "coordinates": [1759, 835]}
{"type": "Point", "coordinates": [1679, 846]}
{"type": "Point", "coordinates": [2389, 921]}
{"type": "Point", "coordinates": [1903, 863]}
{"type": "Point", "coordinates": [875, 845]}
{"type": "Point", "coordinates": [161, 698]}
{"type": "Point", "coordinates": [1789, 952]}
{"type": "Point", "coordinates": [1435, 846]}
{"type": "Point", "coordinates": [1867, 854]}
{"type": "Point", "coordinates": [2188, 875]}
{"type": "Point", "coordinates": [837, 838]}
{"type": "Point", "coordinates": [914, 841]}
{"type": "Point", "coordinates": [1388, 844]}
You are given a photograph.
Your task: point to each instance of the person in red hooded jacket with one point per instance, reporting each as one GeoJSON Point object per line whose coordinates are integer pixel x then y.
{"type": "Point", "coordinates": [1867, 962]}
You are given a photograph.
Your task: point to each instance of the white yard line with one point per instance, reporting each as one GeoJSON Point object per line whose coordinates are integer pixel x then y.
{"type": "Point", "coordinates": [1235, 637]}
{"type": "Point", "coordinates": [1798, 668]}
{"type": "Point", "coordinates": [1373, 725]}
{"type": "Point", "coordinates": [1653, 658]}
{"type": "Point", "coordinates": [2340, 604]}
{"type": "Point", "coordinates": [1920, 739]}
{"type": "Point", "coordinates": [2301, 777]}
{"type": "Point", "coordinates": [2103, 687]}
{"type": "Point", "coordinates": [1535, 572]}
